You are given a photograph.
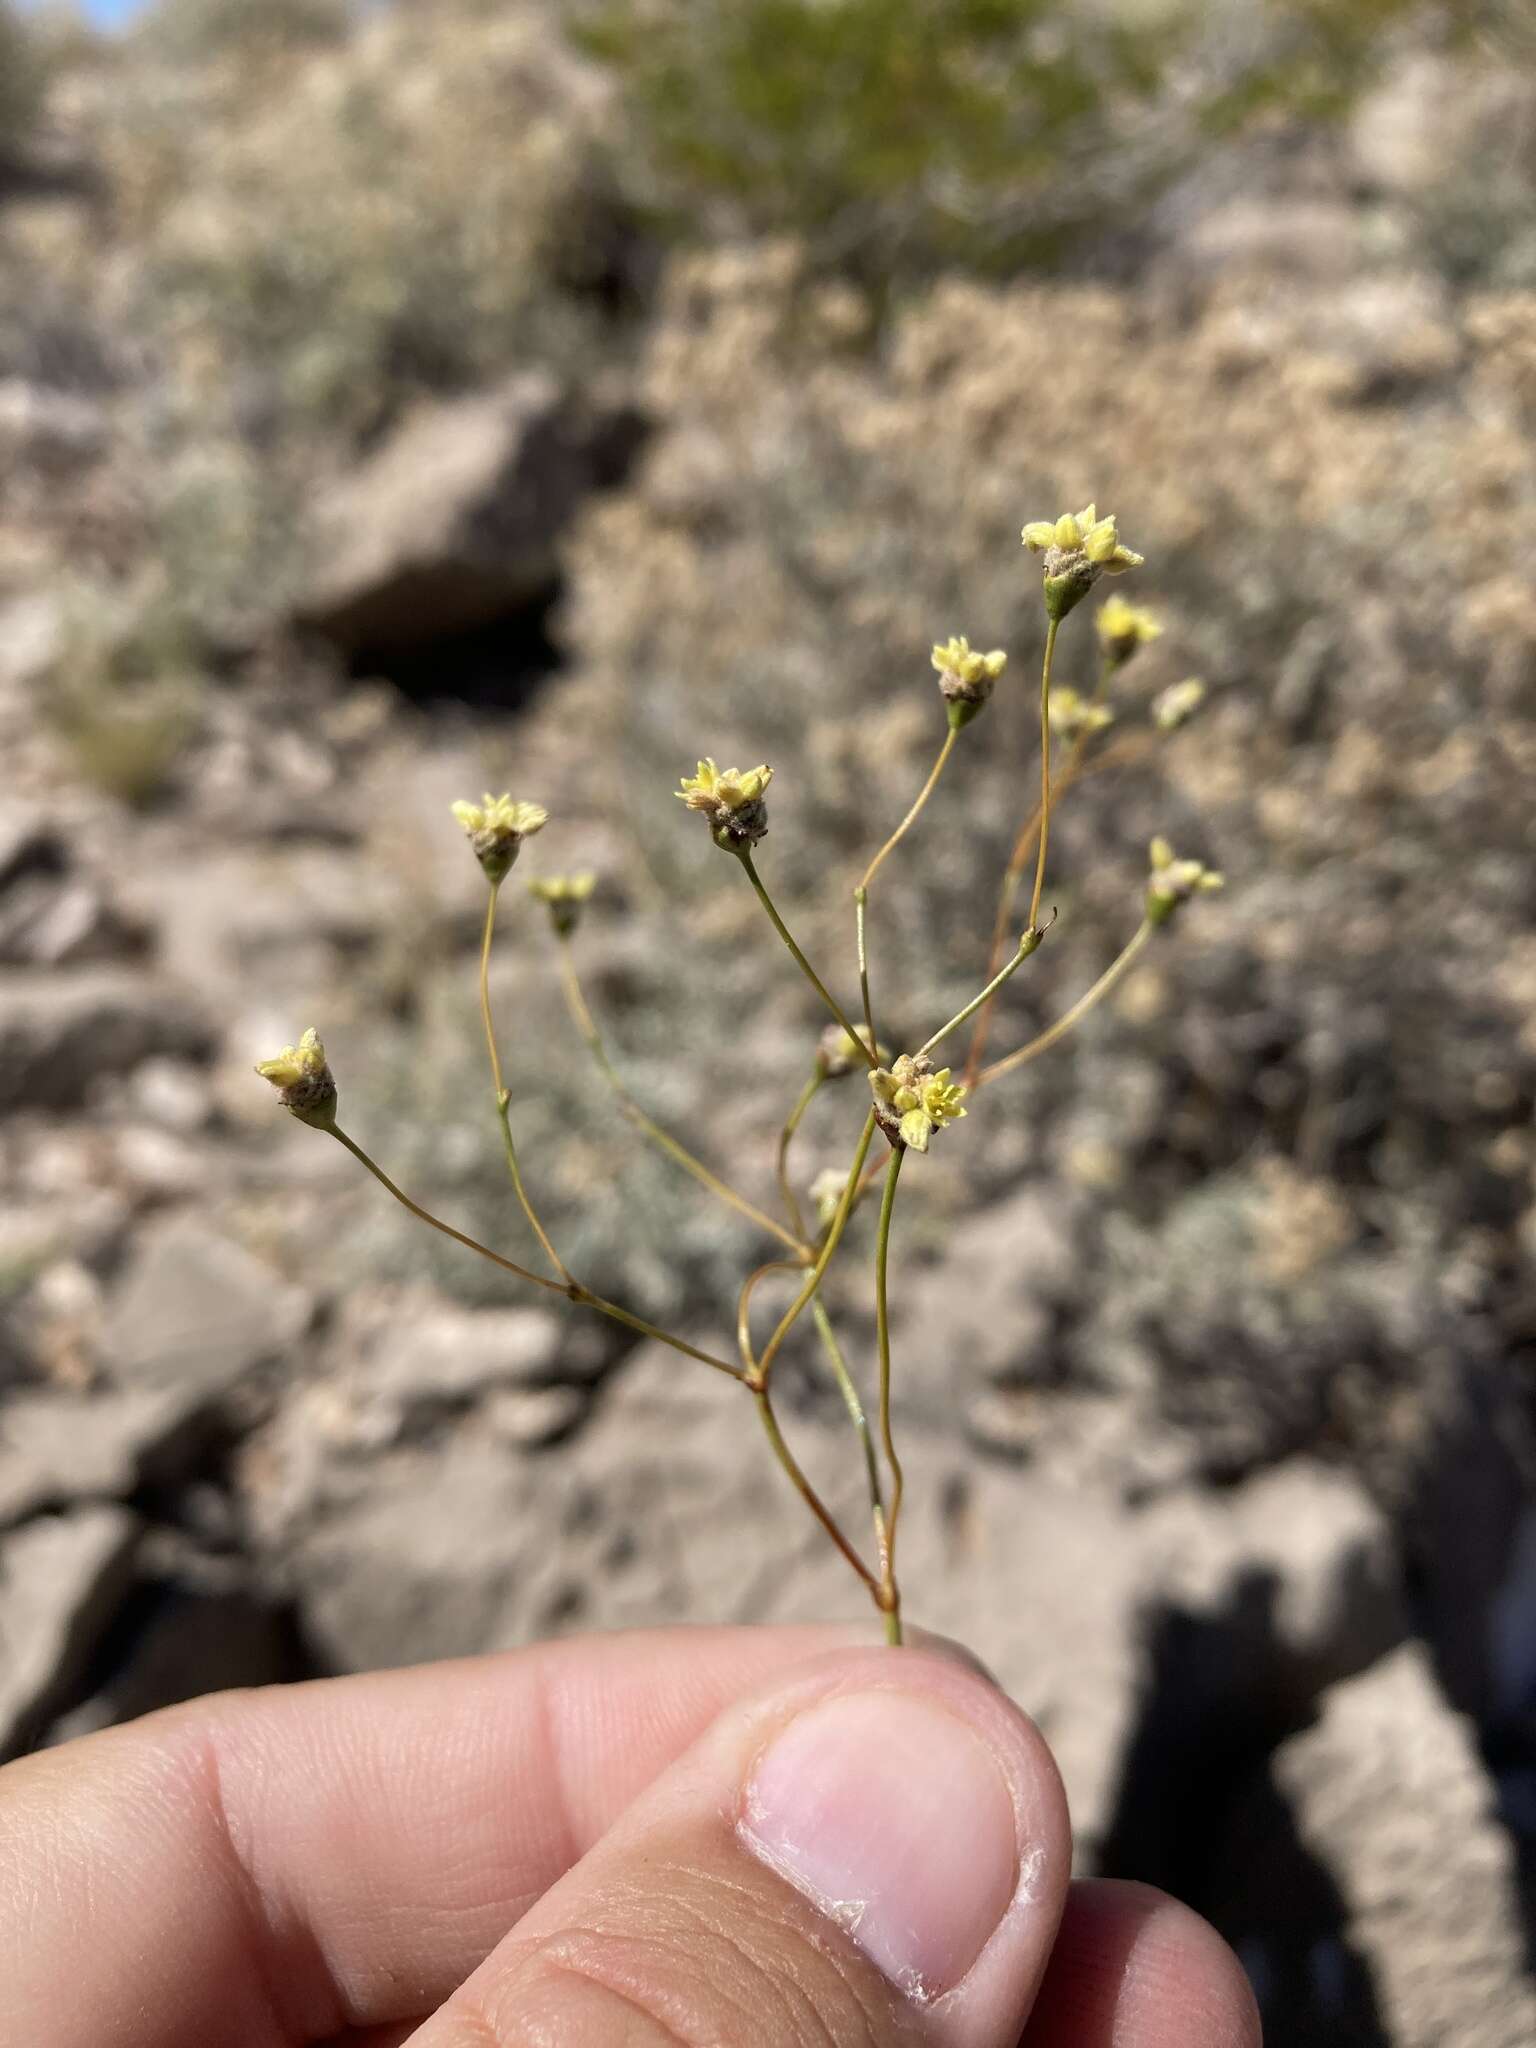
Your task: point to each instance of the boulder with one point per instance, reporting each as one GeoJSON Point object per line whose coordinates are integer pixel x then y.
{"type": "Point", "coordinates": [455, 521]}
{"type": "Point", "coordinates": [195, 1312]}
{"type": "Point", "coordinates": [59, 1449]}
{"type": "Point", "coordinates": [61, 1578]}
{"type": "Point", "coordinates": [62, 1032]}
{"type": "Point", "coordinates": [1388, 1791]}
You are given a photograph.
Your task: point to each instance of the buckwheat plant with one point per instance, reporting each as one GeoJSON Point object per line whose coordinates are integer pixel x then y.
{"type": "Point", "coordinates": [911, 1101]}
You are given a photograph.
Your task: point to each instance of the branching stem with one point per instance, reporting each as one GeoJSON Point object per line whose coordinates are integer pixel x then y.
{"type": "Point", "coordinates": [749, 867]}
{"type": "Point", "coordinates": [891, 1597]}
{"type": "Point", "coordinates": [1054, 1033]}
{"type": "Point", "coordinates": [503, 1099]}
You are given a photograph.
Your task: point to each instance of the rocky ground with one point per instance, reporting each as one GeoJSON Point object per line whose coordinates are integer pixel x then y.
{"type": "Point", "coordinates": [1215, 1331]}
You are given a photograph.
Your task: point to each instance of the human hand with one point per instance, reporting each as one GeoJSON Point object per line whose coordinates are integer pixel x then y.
{"type": "Point", "coordinates": [757, 1838]}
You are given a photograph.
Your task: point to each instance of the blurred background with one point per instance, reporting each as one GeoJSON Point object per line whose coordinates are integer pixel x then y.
{"type": "Point", "coordinates": [405, 401]}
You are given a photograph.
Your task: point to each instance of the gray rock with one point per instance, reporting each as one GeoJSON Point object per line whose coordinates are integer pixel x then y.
{"type": "Point", "coordinates": [59, 1033]}
{"type": "Point", "coordinates": [58, 921]}
{"type": "Point", "coordinates": [60, 1579]}
{"type": "Point", "coordinates": [32, 632]}
{"type": "Point", "coordinates": [58, 1449]}
{"type": "Point", "coordinates": [455, 520]}
{"type": "Point", "coordinates": [193, 1311]}
{"type": "Point", "coordinates": [1389, 1792]}
{"type": "Point", "coordinates": [27, 840]}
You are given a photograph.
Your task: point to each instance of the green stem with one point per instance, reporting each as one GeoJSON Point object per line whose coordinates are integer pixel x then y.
{"type": "Point", "coordinates": [748, 865]}
{"type": "Point", "coordinates": [786, 1138]}
{"type": "Point", "coordinates": [1116, 970]}
{"type": "Point", "coordinates": [976, 1002]}
{"type": "Point", "coordinates": [1045, 770]}
{"type": "Point", "coordinates": [503, 1099]}
{"type": "Point", "coordinates": [860, 918]}
{"type": "Point", "coordinates": [861, 893]}
{"type": "Point", "coordinates": [586, 1025]}
{"type": "Point", "coordinates": [572, 1291]}
{"type": "Point", "coordinates": [833, 1238]}
{"type": "Point", "coordinates": [859, 1419]}
{"type": "Point", "coordinates": [806, 1491]}
{"type": "Point", "coordinates": [892, 1597]}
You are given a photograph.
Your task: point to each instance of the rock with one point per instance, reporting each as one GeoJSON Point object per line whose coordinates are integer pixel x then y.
{"type": "Point", "coordinates": [48, 429]}
{"type": "Point", "coordinates": [57, 1450]}
{"type": "Point", "coordinates": [27, 840]}
{"type": "Point", "coordinates": [1389, 1792]}
{"type": "Point", "coordinates": [60, 1579]}
{"type": "Point", "coordinates": [56, 921]}
{"type": "Point", "coordinates": [60, 1033]}
{"type": "Point", "coordinates": [193, 1311]}
{"type": "Point", "coordinates": [455, 521]}
{"type": "Point", "coordinates": [32, 633]}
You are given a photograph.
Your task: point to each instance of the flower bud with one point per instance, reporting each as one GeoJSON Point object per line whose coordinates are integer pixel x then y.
{"type": "Point", "coordinates": [565, 896]}
{"type": "Point", "coordinates": [912, 1101]}
{"type": "Point", "coordinates": [1079, 548]}
{"type": "Point", "coordinates": [1173, 881]}
{"type": "Point", "coordinates": [304, 1082]}
{"type": "Point", "coordinates": [1122, 628]}
{"type": "Point", "coordinates": [1075, 717]}
{"type": "Point", "coordinates": [966, 678]}
{"type": "Point", "coordinates": [1176, 705]}
{"type": "Point", "coordinates": [732, 800]}
{"type": "Point", "coordinates": [497, 829]}
{"type": "Point", "coordinates": [839, 1052]}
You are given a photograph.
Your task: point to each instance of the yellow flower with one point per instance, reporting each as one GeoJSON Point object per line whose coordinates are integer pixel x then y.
{"type": "Point", "coordinates": [497, 828]}
{"type": "Point", "coordinates": [840, 1051]}
{"type": "Point", "coordinates": [1074, 717]}
{"type": "Point", "coordinates": [966, 677]}
{"type": "Point", "coordinates": [303, 1080]}
{"type": "Point", "coordinates": [1079, 548]}
{"type": "Point", "coordinates": [1123, 627]}
{"type": "Point", "coordinates": [827, 1195]}
{"type": "Point", "coordinates": [565, 896]}
{"type": "Point", "coordinates": [1173, 881]}
{"type": "Point", "coordinates": [732, 800]}
{"type": "Point", "coordinates": [1176, 705]}
{"type": "Point", "coordinates": [912, 1101]}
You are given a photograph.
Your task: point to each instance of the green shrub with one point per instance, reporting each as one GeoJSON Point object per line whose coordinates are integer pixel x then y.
{"type": "Point", "coordinates": [901, 134]}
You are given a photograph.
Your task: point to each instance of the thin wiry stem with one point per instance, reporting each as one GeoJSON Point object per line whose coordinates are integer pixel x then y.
{"type": "Point", "coordinates": [806, 1491]}
{"type": "Point", "coordinates": [1045, 769]}
{"type": "Point", "coordinates": [1054, 1033]}
{"type": "Point", "coordinates": [786, 1138]}
{"type": "Point", "coordinates": [503, 1099]}
{"type": "Point", "coordinates": [830, 1243]}
{"type": "Point", "coordinates": [891, 1597]}
{"type": "Point", "coordinates": [571, 1291]}
{"type": "Point", "coordinates": [744, 1308]}
{"type": "Point", "coordinates": [861, 893]}
{"type": "Point", "coordinates": [586, 1025]}
{"type": "Point", "coordinates": [750, 869]}
{"type": "Point", "coordinates": [860, 1421]}
{"type": "Point", "coordinates": [976, 1002]}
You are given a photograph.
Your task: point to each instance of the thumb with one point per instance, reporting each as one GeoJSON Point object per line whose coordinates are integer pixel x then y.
{"type": "Point", "coordinates": [876, 1851]}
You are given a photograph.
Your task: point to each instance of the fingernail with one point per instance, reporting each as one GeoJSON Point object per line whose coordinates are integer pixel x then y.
{"type": "Point", "coordinates": [895, 1819]}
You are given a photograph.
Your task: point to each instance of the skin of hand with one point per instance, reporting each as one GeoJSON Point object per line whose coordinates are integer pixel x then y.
{"type": "Point", "coordinates": [757, 1838]}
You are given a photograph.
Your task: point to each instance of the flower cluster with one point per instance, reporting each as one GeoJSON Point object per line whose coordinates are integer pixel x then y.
{"type": "Point", "coordinates": [912, 1101]}
{"type": "Point", "coordinates": [732, 800]}
{"type": "Point", "coordinates": [304, 1081]}
{"type": "Point", "coordinates": [1173, 881]}
{"type": "Point", "coordinates": [1123, 627]}
{"type": "Point", "coordinates": [497, 828]}
{"type": "Point", "coordinates": [565, 896]}
{"type": "Point", "coordinates": [966, 678]}
{"type": "Point", "coordinates": [1079, 548]}
{"type": "Point", "coordinates": [1075, 716]}
{"type": "Point", "coordinates": [840, 1051]}
{"type": "Point", "coordinates": [1176, 705]}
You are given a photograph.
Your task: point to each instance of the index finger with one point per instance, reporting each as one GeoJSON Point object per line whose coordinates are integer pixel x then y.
{"type": "Point", "coordinates": [277, 1867]}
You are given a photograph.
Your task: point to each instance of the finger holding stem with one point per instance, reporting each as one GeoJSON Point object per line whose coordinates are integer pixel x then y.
{"type": "Point", "coordinates": [891, 1597]}
{"type": "Point", "coordinates": [503, 1099]}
